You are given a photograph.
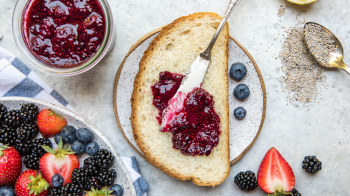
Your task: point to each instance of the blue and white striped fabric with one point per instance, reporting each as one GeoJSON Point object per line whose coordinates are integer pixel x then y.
{"type": "Point", "coordinates": [141, 186]}
{"type": "Point", "coordinates": [16, 79]}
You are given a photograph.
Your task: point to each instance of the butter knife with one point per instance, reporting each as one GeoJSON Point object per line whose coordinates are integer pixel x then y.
{"type": "Point", "coordinates": [195, 75]}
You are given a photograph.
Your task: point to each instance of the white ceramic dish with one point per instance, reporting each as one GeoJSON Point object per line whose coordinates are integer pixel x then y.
{"type": "Point", "coordinates": [243, 133]}
{"type": "Point", "coordinates": [75, 120]}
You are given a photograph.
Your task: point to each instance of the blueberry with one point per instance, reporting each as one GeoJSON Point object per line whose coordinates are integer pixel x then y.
{"type": "Point", "coordinates": [68, 134]}
{"type": "Point", "coordinates": [117, 190]}
{"type": "Point", "coordinates": [57, 138]}
{"type": "Point", "coordinates": [7, 191]}
{"type": "Point", "coordinates": [57, 181]}
{"type": "Point", "coordinates": [241, 92]}
{"type": "Point", "coordinates": [78, 147]}
{"type": "Point", "coordinates": [92, 148]}
{"type": "Point", "coordinates": [238, 71]}
{"type": "Point", "coordinates": [84, 135]}
{"type": "Point", "coordinates": [240, 113]}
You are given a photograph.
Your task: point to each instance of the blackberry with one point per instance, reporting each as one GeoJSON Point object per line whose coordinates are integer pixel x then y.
{"type": "Point", "coordinates": [29, 112]}
{"type": "Point", "coordinates": [31, 160]}
{"type": "Point", "coordinates": [12, 118]}
{"type": "Point", "coordinates": [37, 143]}
{"type": "Point", "coordinates": [104, 159]}
{"type": "Point", "coordinates": [23, 147]}
{"type": "Point", "coordinates": [69, 190]}
{"type": "Point", "coordinates": [91, 182]}
{"type": "Point", "coordinates": [8, 135]}
{"type": "Point", "coordinates": [311, 164]}
{"type": "Point", "coordinates": [246, 181]}
{"type": "Point", "coordinates": [106, 177]}
{"type": "Point", "coordinates": [27, 131]}
{"type": "Point", "coordinates": [295, 192]}
{"type": "Point", "coordinates": [53, 192]}
{"type": "Point", "coordinates": [91, 165]}
{"type": "Point", "coordinates": [80, 176]}
{"type": "Point", "coordinates": [3, 111]}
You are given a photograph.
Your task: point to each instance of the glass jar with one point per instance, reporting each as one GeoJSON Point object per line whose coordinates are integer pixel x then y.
{"type": "Point", "coordinates": [20, 39]}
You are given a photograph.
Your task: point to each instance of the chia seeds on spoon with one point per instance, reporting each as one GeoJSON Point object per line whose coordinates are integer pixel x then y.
{"type": "Point", "coordinates": [320, 43]}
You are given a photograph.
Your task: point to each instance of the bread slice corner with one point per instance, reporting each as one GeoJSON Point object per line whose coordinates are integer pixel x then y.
{"type": "Point", "coordinates": [174, 49]}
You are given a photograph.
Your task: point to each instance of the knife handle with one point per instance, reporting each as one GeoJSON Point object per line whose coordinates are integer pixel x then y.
{"type": "Point", "coordinates": [206, 53]}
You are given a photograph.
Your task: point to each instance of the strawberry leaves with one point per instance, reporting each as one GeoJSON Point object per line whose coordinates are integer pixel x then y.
{"type": "Point", "coordinates": [2, 148]}
{"type": "Point", "coordinates": [37, 184]}
{"type": "Point", "coordinates": [280, 193]}
{"type": "Point", "coordinates": [103, 192]}
{"type": "Point", "coordinates": [49, 150]}
{"type": "Point", "coordinates": [51, 112]}
{"type": "Point", "coordinates": [61, 151]}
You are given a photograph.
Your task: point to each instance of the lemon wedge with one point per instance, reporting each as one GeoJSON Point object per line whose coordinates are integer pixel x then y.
{"type": "Point", "coordinates": [301, 2]}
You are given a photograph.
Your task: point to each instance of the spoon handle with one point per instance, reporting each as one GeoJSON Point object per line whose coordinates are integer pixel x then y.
{"type": "Point", "coordinates": [345, 67]}
{"type": "Point", "coordinates": [233, 4]}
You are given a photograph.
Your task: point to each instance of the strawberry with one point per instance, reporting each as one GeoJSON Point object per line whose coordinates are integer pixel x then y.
{"type": "Point", "coordinates": [31, 183]}
{"type": "Point", "coordinates": [50, 123]}
{"type": "Point", "coordinates": [103, 192]}
{"type": "Point", "coordinates": [10, 165]}
{"type": "Point", "coordinates": [275, 176]}
{"type": "Point", "coordinates": [59, 161]}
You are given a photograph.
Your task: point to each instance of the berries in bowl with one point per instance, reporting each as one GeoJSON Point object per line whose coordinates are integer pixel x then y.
{"type": "Point", "coordinates": [64, 37]}
{"type": "Point", "coordinates": [59, 164]}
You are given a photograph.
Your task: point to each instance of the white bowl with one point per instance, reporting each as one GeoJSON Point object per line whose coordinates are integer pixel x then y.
{"type": "Point", "coordinates": [123, 178]}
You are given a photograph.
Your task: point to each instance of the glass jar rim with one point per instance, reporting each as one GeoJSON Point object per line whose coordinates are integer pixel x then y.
{"type": "Point", "coordinates": [18, 34]}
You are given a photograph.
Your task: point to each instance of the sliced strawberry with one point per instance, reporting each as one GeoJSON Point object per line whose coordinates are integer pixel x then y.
{"type": "Point", "coordinates": [59, 161]}
{"type": "Point", "coordinates": [275, 176]}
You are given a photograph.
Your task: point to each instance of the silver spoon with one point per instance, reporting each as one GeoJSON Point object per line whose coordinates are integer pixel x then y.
{"type": "Point", "coordinates": [195, 75]}
{"type": "Point", "coordinates": [336, 60]}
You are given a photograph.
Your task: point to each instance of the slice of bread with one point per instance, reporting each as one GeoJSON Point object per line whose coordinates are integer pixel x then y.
{"type": "Point", "coordinates": [174, 50]}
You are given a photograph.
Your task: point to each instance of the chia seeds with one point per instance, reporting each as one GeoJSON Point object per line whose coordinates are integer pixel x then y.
{"type": "Point", "coordinates": [320, 43]}
{"type": "Point", "coordinates": [281, 11]}
{"type": "Point", "coordinates": [301, 72]}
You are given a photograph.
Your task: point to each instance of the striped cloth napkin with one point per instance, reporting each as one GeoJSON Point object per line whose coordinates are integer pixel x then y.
{"type": "Point", "coordinates": [16, 79]}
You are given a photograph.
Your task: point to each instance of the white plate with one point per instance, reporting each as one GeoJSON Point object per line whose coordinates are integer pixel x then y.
{"type": "Point", "coordinates": [243, 133]}
{"type": "Point", "coordinates": [73, 119]}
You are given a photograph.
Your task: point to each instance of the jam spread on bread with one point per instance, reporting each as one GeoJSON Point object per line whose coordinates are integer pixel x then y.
{"type": "Point", "coordinates": [195, 127]}
{"type": "Point", "coordinates": [64, 33]}
{"type": "Point", "coordinates": [164, 90]}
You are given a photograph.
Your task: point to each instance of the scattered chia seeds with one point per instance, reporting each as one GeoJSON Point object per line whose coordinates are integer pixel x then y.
{"type": "Point", "coordinates": [320, 43]}
{"type": "Point", "coordinates": [281, 11]}
{"type": "Point", "coordinates": [301, 72]}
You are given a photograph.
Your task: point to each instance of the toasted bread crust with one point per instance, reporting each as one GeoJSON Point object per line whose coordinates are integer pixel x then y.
{"type": "Point", "coordinates": [135, 104]}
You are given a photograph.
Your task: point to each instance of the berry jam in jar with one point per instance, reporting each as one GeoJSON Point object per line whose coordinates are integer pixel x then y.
{"type": "Point", "coordinates": [64, 33]}
{"type": "Point", "coordinates": [195, 127]}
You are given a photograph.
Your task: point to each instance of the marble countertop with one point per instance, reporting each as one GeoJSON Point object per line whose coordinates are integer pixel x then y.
{"type": "Point", "coordinates": [323, 129]}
